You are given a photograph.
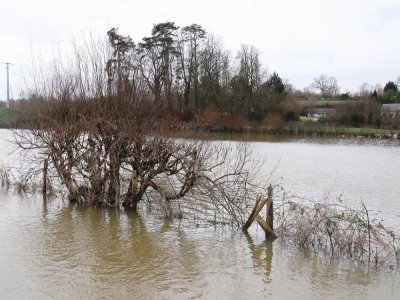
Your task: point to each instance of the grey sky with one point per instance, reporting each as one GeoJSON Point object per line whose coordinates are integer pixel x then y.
{"type": "Point", "coordinates": [354, 40]}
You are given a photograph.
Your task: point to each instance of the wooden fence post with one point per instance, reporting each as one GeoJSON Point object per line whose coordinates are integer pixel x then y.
{"type": "Point", "coordinates": [270, 214]}
{"type": "Point", "coordinates": [45, 167]}
{"type": "Point", "coordinates": [268, 224]}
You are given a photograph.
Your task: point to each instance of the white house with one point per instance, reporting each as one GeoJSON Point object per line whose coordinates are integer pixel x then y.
{"type": "Point", "coordinates": [390, 111]}
{"type": "Point", "coordinates": [320, 112]}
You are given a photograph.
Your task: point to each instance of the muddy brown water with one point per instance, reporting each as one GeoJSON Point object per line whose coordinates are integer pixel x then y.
{"type": "Point", "coordinates": [51, 250]}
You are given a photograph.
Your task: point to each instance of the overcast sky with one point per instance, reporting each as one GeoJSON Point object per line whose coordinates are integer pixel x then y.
{"type": "Point", "coordinates": [354, 40]}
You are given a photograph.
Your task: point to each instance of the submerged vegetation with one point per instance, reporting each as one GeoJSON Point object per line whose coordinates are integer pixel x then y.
{"type": "Point", "coordinates": [326, 226]}
{"type": "Point", "coordinates": [336, 229]}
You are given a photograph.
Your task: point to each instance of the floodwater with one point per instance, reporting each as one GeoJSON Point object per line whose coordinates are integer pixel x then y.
{"type": "Point", "coordinates": [50, 249]}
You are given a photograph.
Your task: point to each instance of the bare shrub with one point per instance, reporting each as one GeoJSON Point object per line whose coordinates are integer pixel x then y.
{"type": "Point", "coordinates": [336, 229]}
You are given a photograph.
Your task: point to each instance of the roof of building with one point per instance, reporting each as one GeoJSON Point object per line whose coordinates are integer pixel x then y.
{"type": "Point", "coordinates": [391, 107]}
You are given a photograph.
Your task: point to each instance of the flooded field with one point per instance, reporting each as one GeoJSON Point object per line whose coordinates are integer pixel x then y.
{"type": "Point", "coordinates": [54, 250]}
{"type": "Point", "coordinates": [50, 249]}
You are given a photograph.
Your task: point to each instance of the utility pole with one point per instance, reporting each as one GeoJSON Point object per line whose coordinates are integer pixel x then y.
{"type": "Point", "coordinates": [8, 82]}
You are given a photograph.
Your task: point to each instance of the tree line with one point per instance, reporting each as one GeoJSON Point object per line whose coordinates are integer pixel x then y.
{"type": "Point", "coordinates": [187, 70]}
{"type": "Point", "coordinates": [188, 75]}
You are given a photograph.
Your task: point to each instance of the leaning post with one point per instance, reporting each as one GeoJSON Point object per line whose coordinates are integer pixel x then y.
{"type": "Point", "coordinates": [266, 224]}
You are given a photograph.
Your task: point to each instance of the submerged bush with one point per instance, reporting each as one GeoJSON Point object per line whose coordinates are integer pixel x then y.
{"type": "Point", "coordinates": [336, 229]}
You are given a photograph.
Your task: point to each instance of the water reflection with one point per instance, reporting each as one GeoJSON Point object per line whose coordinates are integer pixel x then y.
{"type": "Point", "coordinates": [51, 249]}
{"type": "Point", "coordinates": [119, 248]}
{"type": "Point", "coordinates": [261, 255]}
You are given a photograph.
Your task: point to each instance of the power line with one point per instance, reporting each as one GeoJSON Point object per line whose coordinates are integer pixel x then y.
{"type": "Point", "coordinates": [8, 82]}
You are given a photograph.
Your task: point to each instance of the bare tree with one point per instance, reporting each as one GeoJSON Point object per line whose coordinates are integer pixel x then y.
{"type": "Point", "coordinates": [250, 67]}
{"type": "Point", "coordinates": [214, 71]}
{"type": "Point", "coordinates": [247, 80]}
{"type": "Point", "coordinates": [328, 86]}
{"type": "Point", "coordinates": [364, 90]}
{"type": "Point", "coordinates": [155, 59]}
{"type": "Point", "coordinates": [151, 67]}
{"type": "Point", "coordinates": [189, 48]}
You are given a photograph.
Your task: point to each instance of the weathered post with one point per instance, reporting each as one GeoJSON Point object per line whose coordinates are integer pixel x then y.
{"type": "Point", "coordinates": [268, 224]}
{"type": "Point", "coordinates": [45, 167]}
{"type": "Point", "coordinates": [266, 228]}
{"type": "Point", "coordinates": [270, 214]}
{"type": "Point", "coordinates": [256, 210]}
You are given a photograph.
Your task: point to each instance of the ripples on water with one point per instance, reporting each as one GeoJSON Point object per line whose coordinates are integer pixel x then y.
{"type": "Point", "coordinates": [52, 250]}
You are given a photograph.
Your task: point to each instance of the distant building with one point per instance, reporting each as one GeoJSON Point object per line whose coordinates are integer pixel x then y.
{"type": "Point", "coordinates": [320, 112]}
{"type": "Point", "coordinates": [390, 111]}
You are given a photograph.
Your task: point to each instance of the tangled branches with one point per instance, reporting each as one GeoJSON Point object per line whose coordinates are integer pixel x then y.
{"type": "Point", "coordinates": [336, 229]}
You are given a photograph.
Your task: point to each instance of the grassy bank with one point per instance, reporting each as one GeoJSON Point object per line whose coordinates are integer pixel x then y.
{"type": "Point", "coordinates": [321, 103]}
{"type": "Point", "coordinates": [7, 117]}
{"type": "Point", "coordinates": [300, 129]}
